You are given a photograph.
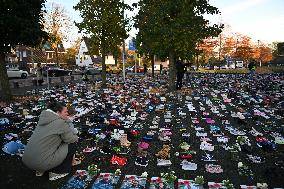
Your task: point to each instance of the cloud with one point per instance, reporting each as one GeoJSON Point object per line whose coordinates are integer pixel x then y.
{"type": "Point", "coordinates": [240, 6]}
{"type": "Point", "coordinates": [267, 30]}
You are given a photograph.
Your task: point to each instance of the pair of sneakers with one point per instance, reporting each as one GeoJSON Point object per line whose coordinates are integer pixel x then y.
{"type": "Point", "coordinates": [52, 176]}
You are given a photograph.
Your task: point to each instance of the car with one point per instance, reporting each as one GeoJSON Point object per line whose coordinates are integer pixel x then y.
{"type": "Point", "coordinates": [93, 71]}
{"type": "Point", "coordinates": [78, 71]}
{"type": "Point", "coordinates": [139, 69]}
{"type": "Point", "coordinates": [129, 69]}
{"type": "Point", "coordinates": [224, 67]}
{"type": "Point", "coordinates": [56, 72]}
{"type": "Point", "coordinates": [17, 73]}
{"type": "Point", "coordinates": [113, 69]}
{"type": "Point", "coordinates": [240, 64]}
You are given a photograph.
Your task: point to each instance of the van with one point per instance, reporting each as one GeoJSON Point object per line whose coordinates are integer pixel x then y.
{"type": "Point", "coordinates": [239, 64]}
{"type": "Point", "coordinates": [156, 67]}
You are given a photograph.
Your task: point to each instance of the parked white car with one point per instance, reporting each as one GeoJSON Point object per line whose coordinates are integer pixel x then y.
{"type": "Point", "coordinates": [16, 73]}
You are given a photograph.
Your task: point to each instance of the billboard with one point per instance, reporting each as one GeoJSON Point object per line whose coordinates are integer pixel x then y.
{"type": "Point", "coordinates": [132, 45]}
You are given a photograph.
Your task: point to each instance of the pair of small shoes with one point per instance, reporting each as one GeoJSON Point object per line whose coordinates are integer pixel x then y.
{"type": "Point", "coordinates": [199, 134]}
{"type": "Point", "coordinates": [205, 139]}
{"type": "Point", "coordinates": [207, 157]}
{"type": "Point", "coordinates": [184, 146]}
{"type": "Point", "coordinates": [255, 159]}
{"type": "Point", "coordinates": [206, 146]}
{"type": "Point", "coordinates": [188, 166]}
{"type": "Point", "coordinates": [124, 141]}
{"type": "Point", "coordinates": [55, 176]}
{"type": "Point", "coordinates": [148, 138]}
{"type": "Point", "coordinates": [89, 150]}
{"type": "Point", "coordinates": [118, 160]}
{"type": "Point", "coordinates": [163, 137]}
{"type": "Point", "coordinates": [213, 168]}
{"type": "Point", "coordinates": [143, 145]}
{"type": "Point", "coordinates": [141, 161]}
{"type": "Point", "coordinates": [223, 139]}
{"type": "Point", "coordinates": [163, 162]}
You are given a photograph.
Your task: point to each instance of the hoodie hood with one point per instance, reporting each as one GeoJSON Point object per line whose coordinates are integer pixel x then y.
{"type": "Point", "coordinates": [46, 117]}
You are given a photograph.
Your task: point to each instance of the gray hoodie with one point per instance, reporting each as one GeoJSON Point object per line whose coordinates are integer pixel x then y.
{"type": "Point", "coordinates": [48, 145]}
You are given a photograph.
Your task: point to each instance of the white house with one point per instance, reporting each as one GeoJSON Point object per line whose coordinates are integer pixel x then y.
{"type": "Point", "coordinates": [84, 59]}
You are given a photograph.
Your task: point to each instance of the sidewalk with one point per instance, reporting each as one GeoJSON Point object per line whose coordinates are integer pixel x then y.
{"type": "Point", "coordinates": [22, 87]}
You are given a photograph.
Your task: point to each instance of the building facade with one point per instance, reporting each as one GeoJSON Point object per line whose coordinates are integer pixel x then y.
{"type": "Point", "coordinates": [85, 59]}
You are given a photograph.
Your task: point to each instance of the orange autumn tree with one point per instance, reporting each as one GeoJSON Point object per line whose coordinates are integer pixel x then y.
{"type": "Point", "coordinates": [265, 54]}
{"type": "Point", "coordinates": [244, 48]}
{"type": "Point", "coordinates": [262, 52]}
{"type": "Point", "coordinates": [229, 46]}
{"type": "Point", "coordinates": [207, 49]}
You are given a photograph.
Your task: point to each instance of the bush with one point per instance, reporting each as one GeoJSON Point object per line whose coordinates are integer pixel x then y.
{"type": "Point", "coordinates": [274, 69]}
{"type": "Point", "coordinates": [259, 70]}
{"type": "Point", "coordinates": [232, 71]}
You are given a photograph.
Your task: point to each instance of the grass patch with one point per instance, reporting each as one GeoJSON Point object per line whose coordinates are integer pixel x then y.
{"type": "Point", "coordinates": [259, 70]}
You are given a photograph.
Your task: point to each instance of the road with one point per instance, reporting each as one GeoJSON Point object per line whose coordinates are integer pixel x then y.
{"type": "Point", "coordinates": [54, 80]}
{"type": "Point", "coordinates": [29, 80]}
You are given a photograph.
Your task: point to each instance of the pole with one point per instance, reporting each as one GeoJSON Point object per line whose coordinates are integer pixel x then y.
{"type": "Point", "coordinates": [47, 77]}
{"type": "Point", "coordinates": [33, 63]}
{"type": "Point", "coordinates": [123, 53]}
{"type": "Point", "coordinates": [258, 41]}
{"type": "Point", "coordinates": [123, 60]}
{"type": "Point", "coordinates": [219, 48]}
{"type": "Point", "coordinates": [236, 52]}
{"type": "Point", "coordinates": [32, 56]}
{"type": "Point", "coordinates": [135, 70]}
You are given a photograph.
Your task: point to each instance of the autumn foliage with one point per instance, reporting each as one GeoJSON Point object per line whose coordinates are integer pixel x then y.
{"type": "Point", "coordinates": [233, 46]}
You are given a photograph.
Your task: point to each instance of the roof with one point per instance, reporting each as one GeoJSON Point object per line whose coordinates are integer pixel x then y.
{"type": "Point", "coordinates": [47, 46]}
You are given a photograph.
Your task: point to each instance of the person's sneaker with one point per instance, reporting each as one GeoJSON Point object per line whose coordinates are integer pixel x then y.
{"type": "Point", "coordinates": [39, 173]}
{"type": "Point", "coordinates": [55, 176]}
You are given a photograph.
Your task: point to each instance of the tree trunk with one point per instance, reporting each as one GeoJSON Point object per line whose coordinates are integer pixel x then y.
{"type": "Point", "coordinates": [172, 72]}
{"type": "Point", "coordinates": [56, 56]}
{"type": "Point", "coordinates": [115, 60]}
{"type": "Point", "coordinates": [103, 70]}
{"type": "Point", "coordinates": [6, 94]}
{"type": "Point", "coordinates": [197, 62]}
{"type": "Point", "coordinates": [152, 64]}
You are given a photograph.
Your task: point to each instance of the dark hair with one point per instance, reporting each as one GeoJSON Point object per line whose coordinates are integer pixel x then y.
{"type": "Point", "coordinates": [71, 109]}
{"type": "Point", "coordinates": [56, 106]}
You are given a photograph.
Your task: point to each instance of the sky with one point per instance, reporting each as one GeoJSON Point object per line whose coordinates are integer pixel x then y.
{"type": "Point", "coordinates": [260, 19]}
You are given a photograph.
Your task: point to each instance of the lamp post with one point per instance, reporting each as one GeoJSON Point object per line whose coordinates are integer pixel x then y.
{"type": "Point", "coordinates": [123, 51]}
{"type": "Point", "coordinates": [258, 41]}
{"type": "Point", "coordinates": [236, 52]}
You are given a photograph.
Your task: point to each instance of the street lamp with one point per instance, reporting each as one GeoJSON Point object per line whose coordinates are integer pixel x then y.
{"type": "Point", "coordinates": [237, 41]}
{"type": "Point", "coordinates": [258, 41]}
{"type": "Point", "coordinates": [123, 50]}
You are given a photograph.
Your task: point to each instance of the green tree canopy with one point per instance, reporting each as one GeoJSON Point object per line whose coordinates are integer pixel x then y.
{"type": "Point", "coordinates": [20, 23]}
{"type": "Point", "coordinates": [174, 28]}
{"type": "Point", "coordinates": [104, 23]}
